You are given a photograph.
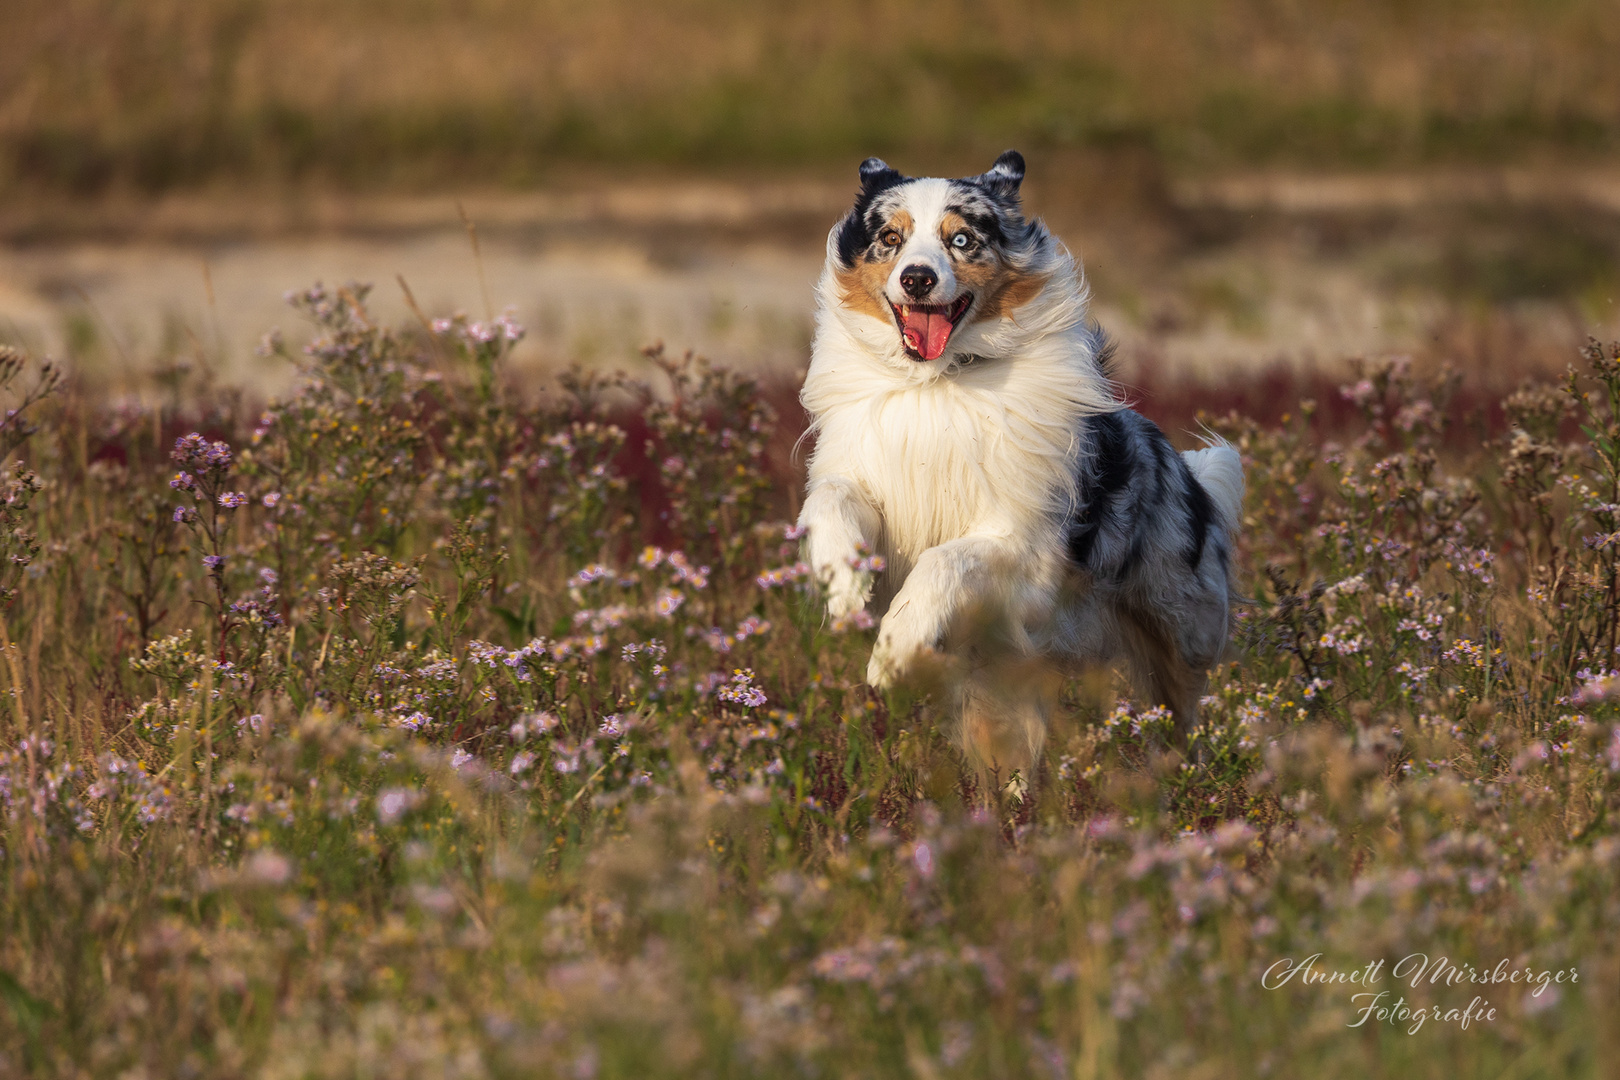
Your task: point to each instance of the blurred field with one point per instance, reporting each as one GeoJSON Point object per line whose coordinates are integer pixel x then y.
{"type": "Point", "coordinates": [417, 725]}
{"type": "Point", "coordinates": [100, 94]}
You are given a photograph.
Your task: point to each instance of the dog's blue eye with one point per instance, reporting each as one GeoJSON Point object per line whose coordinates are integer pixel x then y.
{"type": "Point", "coordinates": [961, 240]}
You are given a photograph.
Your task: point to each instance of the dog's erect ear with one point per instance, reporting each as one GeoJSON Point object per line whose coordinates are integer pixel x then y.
{"type": "Point", "coordinates": [875, 172]}
{"type": "Point", "coordinates": [1005, 175]}
{"type": "Point", "coordinates": [854, 232]}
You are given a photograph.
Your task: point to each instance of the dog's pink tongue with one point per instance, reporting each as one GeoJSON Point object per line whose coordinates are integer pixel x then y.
{"type": "Point", "coordinates": [927, 332]}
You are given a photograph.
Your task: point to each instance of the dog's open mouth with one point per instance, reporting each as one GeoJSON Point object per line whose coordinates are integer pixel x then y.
{"type": "Point", "coordinates": [926, 328]}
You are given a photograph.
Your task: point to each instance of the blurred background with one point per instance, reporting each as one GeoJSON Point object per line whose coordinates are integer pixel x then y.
{"type": "Point", "coordinates": [1250, 183]}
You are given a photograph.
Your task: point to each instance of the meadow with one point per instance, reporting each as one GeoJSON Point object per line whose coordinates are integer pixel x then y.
{"type": "Point", "coordinates": [105, 95]}
{"type": "Point", "coordinates": [418, 724]}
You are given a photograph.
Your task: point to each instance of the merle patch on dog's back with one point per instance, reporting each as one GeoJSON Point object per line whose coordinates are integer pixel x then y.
{"type": "Point", "coordinates": [1128, 482]}
{"type": "Point", "coordinates": [1105, 469]}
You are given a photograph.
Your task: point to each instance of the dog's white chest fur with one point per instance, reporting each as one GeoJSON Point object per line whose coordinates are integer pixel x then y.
{"type": "Point", "coordinates": [926, 441]}
{"type": "Point", "coordinates": [973, 452]}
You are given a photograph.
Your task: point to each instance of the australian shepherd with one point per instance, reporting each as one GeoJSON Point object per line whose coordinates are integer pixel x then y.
{"type": "Point", "coordinates": [967, 432]}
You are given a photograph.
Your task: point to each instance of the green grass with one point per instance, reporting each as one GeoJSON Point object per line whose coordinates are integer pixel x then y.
{"type": "Point", "coordinates": [456, 764]}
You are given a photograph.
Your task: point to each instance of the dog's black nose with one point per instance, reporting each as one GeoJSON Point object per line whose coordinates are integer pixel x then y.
{"type": "Point", "coordinates": [918, 281]}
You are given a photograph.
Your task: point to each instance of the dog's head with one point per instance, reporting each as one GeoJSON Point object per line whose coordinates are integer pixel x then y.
{"type": "Point", "coordinates": [935, 258]}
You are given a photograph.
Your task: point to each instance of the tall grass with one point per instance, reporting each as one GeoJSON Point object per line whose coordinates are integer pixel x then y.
{"type": "Point", "coordinates": [104, 93]}
{"type": "Point", "coordinates": [406, 727]}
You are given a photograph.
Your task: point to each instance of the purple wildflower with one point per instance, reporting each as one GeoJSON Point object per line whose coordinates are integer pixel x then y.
{"type": "Point", "coordinates": [198, 452]}
{"type": "Point", "coordinates": [742, 691]}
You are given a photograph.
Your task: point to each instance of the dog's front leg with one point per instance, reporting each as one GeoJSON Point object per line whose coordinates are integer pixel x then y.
{"type": "Point", "coordinates": [971, 577]}
{"type": "Point", "coordinates": [840, 523]}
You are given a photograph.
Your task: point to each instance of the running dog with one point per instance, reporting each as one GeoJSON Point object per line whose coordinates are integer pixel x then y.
{"type": "Point", "coordinates": [967, 431]}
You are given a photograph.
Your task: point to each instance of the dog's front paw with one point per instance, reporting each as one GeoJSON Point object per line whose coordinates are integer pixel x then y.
{"type": "Point", "coordinates": [908, 648]}
{"type": "Point", "coordinates": [847, 592]}
{"type": "Point", "coordinates": [847, 579]}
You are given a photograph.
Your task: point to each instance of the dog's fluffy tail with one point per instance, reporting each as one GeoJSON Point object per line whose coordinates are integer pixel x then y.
{"type": "Point", "coordinates": [1220, 469]}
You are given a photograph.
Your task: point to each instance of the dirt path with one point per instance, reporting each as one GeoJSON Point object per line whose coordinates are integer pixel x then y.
{"type": "Point", "coordinates": [1202, 277]}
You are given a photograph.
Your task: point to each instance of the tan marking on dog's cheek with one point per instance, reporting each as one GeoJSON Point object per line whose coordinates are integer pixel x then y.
{"type": "Point", "coordinates": [860, 288]}
{"type": "Point", "coordinates": [1010, 291]}
{"type": "Point", "coordinates": [981, 277]}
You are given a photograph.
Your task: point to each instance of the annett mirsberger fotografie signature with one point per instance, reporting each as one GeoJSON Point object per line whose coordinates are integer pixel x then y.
{"type": "Point", "coordinates": [1415, 970]}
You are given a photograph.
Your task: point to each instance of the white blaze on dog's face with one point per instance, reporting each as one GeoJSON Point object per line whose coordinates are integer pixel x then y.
{"type": "Point", "coordinates": [933, 257]}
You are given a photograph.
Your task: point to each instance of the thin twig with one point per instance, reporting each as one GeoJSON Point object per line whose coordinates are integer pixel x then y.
{"type": "Point", "coordinates": [427, 325]}
{"type": "Point", "coordinates": [583, 788]}
{"type": "Point", "coordinates": [478, 259]}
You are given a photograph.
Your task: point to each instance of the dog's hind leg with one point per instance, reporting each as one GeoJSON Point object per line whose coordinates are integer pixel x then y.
{"type": "Point", "coordinates": [1160, 673]}
{"type": "Point", "coordinates": [1004, 711]}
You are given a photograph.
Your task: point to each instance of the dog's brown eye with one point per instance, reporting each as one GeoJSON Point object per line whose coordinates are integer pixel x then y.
{"type": "Point", "coordinates": [890, 238]}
